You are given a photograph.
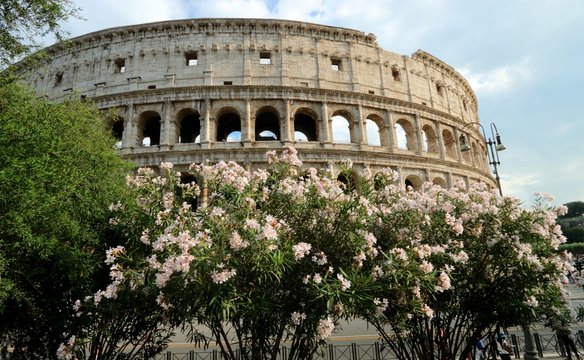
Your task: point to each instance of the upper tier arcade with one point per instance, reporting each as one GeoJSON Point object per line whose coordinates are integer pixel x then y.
{"type": "Point", "coordinates": [189, 90]}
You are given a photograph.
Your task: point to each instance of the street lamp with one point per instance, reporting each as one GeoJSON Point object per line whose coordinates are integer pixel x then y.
{"type": "Point", "coordinates": [494, 145]}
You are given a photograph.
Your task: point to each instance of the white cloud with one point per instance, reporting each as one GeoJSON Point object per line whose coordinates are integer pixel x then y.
{"type": "Point", "coordinates": [98, 15]}
{"type": "Point", "coordinates": [520, 185]}
{"type": "Point", "coordinates": [228, 8]}
{"type": "Point", "coordinates": [500, 79]}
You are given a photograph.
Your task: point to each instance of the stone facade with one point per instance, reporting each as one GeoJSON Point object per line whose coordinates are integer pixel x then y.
{"type": "Point", "coordinates": [187, 91]}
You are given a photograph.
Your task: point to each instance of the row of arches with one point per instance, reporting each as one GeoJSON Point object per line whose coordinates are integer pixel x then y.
{"type": "Point", "coordinates": [268, 124]}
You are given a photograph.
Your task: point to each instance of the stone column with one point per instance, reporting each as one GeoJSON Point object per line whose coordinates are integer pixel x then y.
{"type": "Point", "coordinates": [457, 145]}
{"type": "Point", "coordinates": [441, 149]}
{"type": "Point", "coordinates": [129, 134]}
{"type": "Point", "coordinates": [206, 125]}
{"type": "Point", "coordinates": [361, 127]}
{"type": "Point", "coordinates": [418, 134]}
{"type": "Point", "coordinates": [247, 125]}
{"type": "Point", "coordinates": [285, 124]}
{"type": "Point", "coordinates": [167, 126]}
{"type": "Point", "coordinates": [390, 132]}
{"type": "Point", "coordinates": [326, 132]}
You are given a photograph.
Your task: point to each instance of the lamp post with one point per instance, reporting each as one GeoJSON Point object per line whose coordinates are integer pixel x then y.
{"type": "Point", "coordinates": [494, 145]}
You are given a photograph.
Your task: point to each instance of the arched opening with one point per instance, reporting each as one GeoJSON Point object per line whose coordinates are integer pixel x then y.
{"type": "Point", "coordinates": [401, 137]}
{"type": "Point", "coordinates": [413, 182]}
{"type": "Point", "coordinates": [373, 133]}
{"type": "Point", "coordinates": [149, 129]}
{"type": "Point", "coordinates": [116, 125]}
{"type": "Point", "coordinates": [349, 182]}
{"type": "Point", "coordinates": [267, 124]}
{"type": "Point", "coordinates": [305, 125]}
{"type": "Point", "coordinates": [379, 181]}
{"type": "Point", "coordinates": [440, 182]}
{"type": "Point", "coordinates": [228, 125]}
{"type": "Point", "coordinates": [478, 155]}
{"type": "Point", "coordinates": [449, 143]}
{"type": "Point", "coordinates": [189, 127]}
{"type": "Point", "coordinates": [430, 141]}
{"type": "Point", "coordinates": [341, 127]}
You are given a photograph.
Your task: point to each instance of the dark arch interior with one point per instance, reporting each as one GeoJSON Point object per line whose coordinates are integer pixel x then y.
{"type": "Point", "coordinates": [307, 125]}
{"type": "Point", "coordinates": [267, 123]}
{"type": "Point", "coordinates": [348, 181]}
{"type": "Point", "coordinates": [227, 124]}
{"type": "Point", "coordinates": [190, 128]}
{"type": "Point", "coordinates": [118, 129]}
{"type": "Point", "coordinates": [152, 129]}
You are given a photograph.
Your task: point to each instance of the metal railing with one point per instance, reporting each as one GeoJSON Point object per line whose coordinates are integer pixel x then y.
{"type": "Point", "coordinates": [545, 345]}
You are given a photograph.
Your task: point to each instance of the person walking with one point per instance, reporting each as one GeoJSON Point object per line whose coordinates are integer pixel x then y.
{"type": "Point", "coordinates": [480, 351]}
{"type": "Point", "coordinates": [503, 348]}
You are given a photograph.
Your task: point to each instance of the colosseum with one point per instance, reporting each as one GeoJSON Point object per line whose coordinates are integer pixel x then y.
{"type": "Point", "coordinates": [192, 90]}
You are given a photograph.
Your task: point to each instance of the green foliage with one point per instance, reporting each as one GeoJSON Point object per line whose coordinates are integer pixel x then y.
{"type": "Point", "coordinates": [58, 175]}
{"type": "Point", "coordinates": [281, 255]}
{"type": "Point", "coordinates": [22, 22]}
{"type": "Point", "coordinates": [572, 222]}
{"type": "Point", "coordinates": [575, 208]}
{"type": "Point", "coordinates": [502, 259]}
{"type": "Point", "coordinates": [574, 248]}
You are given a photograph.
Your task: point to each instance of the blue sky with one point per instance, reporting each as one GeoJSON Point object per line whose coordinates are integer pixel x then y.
{"type": "Point", "coordinates": [523, 58]}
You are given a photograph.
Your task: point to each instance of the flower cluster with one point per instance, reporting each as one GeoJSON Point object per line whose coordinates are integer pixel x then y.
{"type": "Point", "coordinates": [301, 237]}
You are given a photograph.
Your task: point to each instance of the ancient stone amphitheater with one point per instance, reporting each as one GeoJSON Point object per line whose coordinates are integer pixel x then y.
{"type": "Point", "coordinates": [231, 89]}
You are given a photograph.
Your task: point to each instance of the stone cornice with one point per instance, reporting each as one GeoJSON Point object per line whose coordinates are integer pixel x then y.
{"type": "Point", "coordinates": [211, 26]}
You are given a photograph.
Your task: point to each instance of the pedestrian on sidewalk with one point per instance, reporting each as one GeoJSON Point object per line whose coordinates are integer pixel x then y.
{"type": "Point", "coordinates": [503, 348]}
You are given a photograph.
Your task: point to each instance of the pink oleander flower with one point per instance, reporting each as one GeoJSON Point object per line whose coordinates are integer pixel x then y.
{"type": "Point", "coordinates": [317, 278]}
{"type": "Point", "coordinates": [297, 317]}
{"type": "Point", "coordinates": [236, 242]}
{"type": "Point", "coordinates": [345, 284]}
{"type": "Point", "coordinates": [113, 253]}
{"type": "Point", "coordinates": [427, 311]}
{"type": "Point", "coordinates": [219, 277]}
{"type": "Point", "coordinates": [325, 328]}
{"type": "Point", "coordinates": [443, 282]}
{"type": "Point", "coordinates": [426, 267]}
{"type": "Point", "coordinates": [377, 272]}
{"type": "Point", "coordinates": [400, 254]}
{"type": "Point", "coordinates": [251, 224]}
{"type": "Point", "coordinates": [380, 305]}
{"type": "Point", "coordinates": [416, 291]}
{"type": "Point", "coordinates": [269, 232]}
{"type": "Point", "coordinates": [532, 301]}
{"type": "Point", "coordinates": [359, 258]}
{"type": "Point", "coordinates": [319, 258]}
{"type": "Point", "coordinates": [301, 249]}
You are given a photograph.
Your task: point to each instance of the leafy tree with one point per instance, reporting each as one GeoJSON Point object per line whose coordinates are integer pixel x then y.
{"type": "Point", "coordinates": [504, 270]}
{"type": "Point", "coordinates": [575, 208]}
{"type": "Point", "coordinates": [59, 173]}
{"type": "Point", "coordinates": [23, 22]}
{"type": "Point", "coordinates": [281, 255]}
{"type": "Point", "coordinates": [574, 234]}
{"type": "Point", "coordinates": [274, 256]}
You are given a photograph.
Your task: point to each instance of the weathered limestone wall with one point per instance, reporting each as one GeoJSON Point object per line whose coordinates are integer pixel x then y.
{"type": "Point", "coordinates": [220, 76]}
